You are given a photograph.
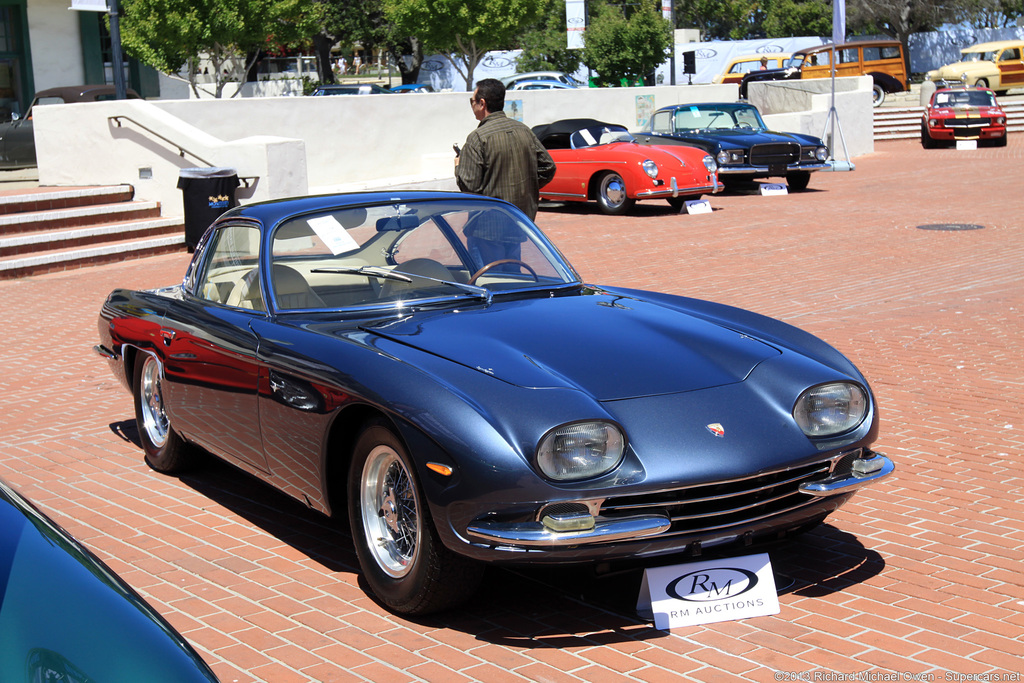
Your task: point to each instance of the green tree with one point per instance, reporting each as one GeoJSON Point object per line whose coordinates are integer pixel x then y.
{"type": "Point", "coordinates": [784, 18]}
{"type": "Point", "coordinates": [720, 19]}
{"type": "Point", "coordinates": [544, 44]}
{"type": "Point", "coordinates": [898, 19]}
{"type": "Point", "coordinates": [619, 47]}
{"type": "Point", "coordinates": [462, 30]}
{"type": "Point", "coordinates": [363, 21]}
{"type": "Point", "coordinates": [173, 34]}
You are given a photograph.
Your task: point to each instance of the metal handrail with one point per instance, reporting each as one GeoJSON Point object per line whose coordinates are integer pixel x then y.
{"type": "Point", "coordinates": [181, 150]}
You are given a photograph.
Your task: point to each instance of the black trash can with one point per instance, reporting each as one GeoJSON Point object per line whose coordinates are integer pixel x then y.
{"type": "Point", "coordinates": [206, 194]}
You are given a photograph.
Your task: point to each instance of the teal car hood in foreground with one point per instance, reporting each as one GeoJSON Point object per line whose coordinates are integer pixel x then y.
{"type": "Point", "coordinates": [64, 616]}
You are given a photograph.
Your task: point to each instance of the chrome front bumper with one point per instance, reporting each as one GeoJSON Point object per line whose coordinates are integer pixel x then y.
{"type": "Point", "coordinates": [873, 469]}
{"type": "Point", "coordinates": [747, 169]}
{"type": "Point", "coordinates": [536, 535]}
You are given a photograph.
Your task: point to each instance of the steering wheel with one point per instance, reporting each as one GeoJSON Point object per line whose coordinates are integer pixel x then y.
{"type": "Point", "coordinates": [502, 262]}
{"type": "Point", "coordinates": [743, 125]}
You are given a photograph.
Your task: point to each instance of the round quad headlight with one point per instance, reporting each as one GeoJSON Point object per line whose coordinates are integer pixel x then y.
{"type": "Point", "coordinates": [580, 450]}
{"type": "Point", "coordinates": [829, 409]}
{"type": "Point", "coordinates": [650, 168]}
{"type": "Point", "coordinates": [821, 153]}
{"type": "Point", "coordinates": [709, 163]}
{"type": "Point", "coordinates": [722, 158]}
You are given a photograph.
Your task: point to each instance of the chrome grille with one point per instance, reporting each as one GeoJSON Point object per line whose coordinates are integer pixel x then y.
{"type": "Point", "coordinates": [775, 154]}
{"type": "Point", "coordinates": [698, 509]}
{"type": "Point", "coordinates": [966, 126]}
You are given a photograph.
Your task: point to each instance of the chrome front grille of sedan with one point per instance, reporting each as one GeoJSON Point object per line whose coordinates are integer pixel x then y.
{"type": "Point", "coordinates": [699, 509]}
{"type": "Point", "coordinates": [774, 154]}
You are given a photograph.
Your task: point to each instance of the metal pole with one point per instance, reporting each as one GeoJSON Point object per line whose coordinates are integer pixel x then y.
{"type": "Point", "coordinates": [120, 88]}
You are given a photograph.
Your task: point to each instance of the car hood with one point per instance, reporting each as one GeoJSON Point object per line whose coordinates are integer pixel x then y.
{"type": "Point", "coordinates": [956, 68]}
{"type": "Point", "coordinates": [610, 347]}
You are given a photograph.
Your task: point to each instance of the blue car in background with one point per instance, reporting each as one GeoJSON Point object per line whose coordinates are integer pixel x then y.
{"type": "Point", "coordinates": [65, 616]}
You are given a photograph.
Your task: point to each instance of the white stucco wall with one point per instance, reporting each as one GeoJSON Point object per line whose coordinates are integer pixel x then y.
{"type": "Point", "coordinates": [295, 145]}
{"type": "Point", "coordinates": [56, 44]}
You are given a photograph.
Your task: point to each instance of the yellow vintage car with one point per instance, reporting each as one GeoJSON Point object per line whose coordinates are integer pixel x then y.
{"type": "Point", "coordinates": [744, 64]}
{"type": "Point", "coordinates": [998, 65]}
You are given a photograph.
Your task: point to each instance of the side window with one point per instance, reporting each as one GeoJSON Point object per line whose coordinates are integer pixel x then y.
{"type": "Point", "coordinates": [848, 56]}
{"type": "Point", "coordinates": [230, 275]}
{"type": "Point", "coordinates": [890, 52]}
{"type": "Point", "coordinates": [662, 122]}
{"type": "Point", "coordinates": [872, 54]}
{"type": "Point", "coordinates": [1009, 54]}
{"type": "Point", "coordinates": [818, 58]}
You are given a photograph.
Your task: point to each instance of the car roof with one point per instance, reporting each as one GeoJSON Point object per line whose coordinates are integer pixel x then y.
{"type": "Point", "coordinates": [756, 57]}
{"type": "Point", "coordinates": [546, 82]}
{"type": "Point", "coordinates": [273, 211]}
{"type": "Point", "coordinates": [567, 127]}
{"type": "Point", "coordinates": [992, 45]}
{"type": "Point", "coordinates": [83, 93]}
{"type": "Point", "coordinates": [710, 105]}
{"type": "Point", "coordinates": [843, 46]}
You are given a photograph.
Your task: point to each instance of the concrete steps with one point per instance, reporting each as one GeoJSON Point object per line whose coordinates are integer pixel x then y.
{"type": "Point", "coordinates": [893, 123]}
{"type": "Point", "coordinates": [51, 229]}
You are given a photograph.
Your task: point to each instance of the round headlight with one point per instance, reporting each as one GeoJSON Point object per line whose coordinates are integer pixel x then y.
{"type": "Point", "coordinates": [581, 450]}
{"type": "Point", "coordinates": [650, 168]}
{"type": "Point", "coordinates": [722, 158]}
{"type": "Point", "coordinates": [709, 164]}
{"type": "Point", "coordinates": [830, 409]}
{"type": "Point", "coordinates": [963, 77]}
{"type": "Point", "coordinates": [821, 153]}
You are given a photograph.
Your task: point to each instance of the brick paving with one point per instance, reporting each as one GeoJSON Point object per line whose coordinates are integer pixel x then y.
{"type": "Point", "coordinates": [918, 577]}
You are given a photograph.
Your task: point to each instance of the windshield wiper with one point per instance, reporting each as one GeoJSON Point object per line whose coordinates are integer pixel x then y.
{"type": "Point", "coordinates": [373, 271]}
{"type": "Point", "coordinates": [384, 273]}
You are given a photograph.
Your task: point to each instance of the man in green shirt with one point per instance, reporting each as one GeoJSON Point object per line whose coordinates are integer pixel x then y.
{"type": "Point", "coordinates": [501, 158]}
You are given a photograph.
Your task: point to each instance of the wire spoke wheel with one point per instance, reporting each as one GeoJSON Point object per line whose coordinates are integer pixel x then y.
{"type": "Point", "coordinates": [390, 508]}
{"type": "Point", "coordinates": [154, 419]}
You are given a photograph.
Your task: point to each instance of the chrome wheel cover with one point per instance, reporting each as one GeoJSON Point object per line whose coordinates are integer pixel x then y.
{"type": "Point", "coordinates": [154, 419]}
{"type": "Point", "coordinates": [613, 189]}
{"type": "Point", "coordinates": [389, 508]}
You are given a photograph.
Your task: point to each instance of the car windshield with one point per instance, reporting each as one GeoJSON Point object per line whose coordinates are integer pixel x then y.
{"type": "Point", "coordinates": [980, 56]}
{"type": "Point", "coordinates": [966, 98]}
{"type": "Point", "coordinates": [599, 135]}
{"type": "Point", "coordinates": [396, 253]}
{"type": "Point", "coordinates": [717, 117]}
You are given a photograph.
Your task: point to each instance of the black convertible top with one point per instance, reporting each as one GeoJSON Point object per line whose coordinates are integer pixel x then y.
{"type": "Point", "coordinates": [556, 135]}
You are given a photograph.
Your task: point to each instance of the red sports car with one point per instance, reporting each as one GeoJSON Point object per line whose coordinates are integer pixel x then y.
{"type": "Point", "coordinates": [963, 113]}
{"type": "Point", "coordinates": [602, 161]}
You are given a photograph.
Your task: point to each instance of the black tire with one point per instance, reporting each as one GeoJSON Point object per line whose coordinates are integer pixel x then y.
{"type": "Point", "coordinates": [611, 194]}
{"type": "Point", "coordinates": [926, 139]}
{"type": "Point", "coordinates": [165, 451]}
{"type": "Point", "coordinates": [403, 561]}
{"type": "Point", "coordinates": [1000, 142]}
{"type": "Point", "coordinates": [798, 181]}
{"type": "Point", "coordinates": [678, 203]}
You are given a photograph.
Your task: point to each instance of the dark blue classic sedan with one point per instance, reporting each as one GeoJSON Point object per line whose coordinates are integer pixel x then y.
{"type": "Point", "coordinates": [430, 364]}
{"type": "Point", "coordinates": [736, 136]}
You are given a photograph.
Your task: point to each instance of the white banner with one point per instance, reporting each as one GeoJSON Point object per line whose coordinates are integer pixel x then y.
{"type": "Point", "coordinates": [838, 21]}
{"type": "Point", "coordinates": [90, 5]}
{"type": "Point", "coordinates": [575, 23]}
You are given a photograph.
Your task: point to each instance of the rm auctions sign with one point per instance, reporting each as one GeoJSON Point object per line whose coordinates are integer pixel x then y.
{"type": "Point", "coordinates": [706, 592]}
